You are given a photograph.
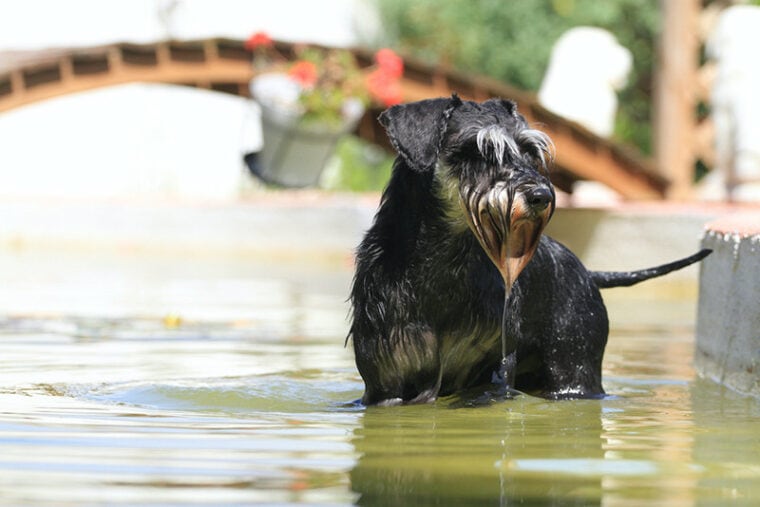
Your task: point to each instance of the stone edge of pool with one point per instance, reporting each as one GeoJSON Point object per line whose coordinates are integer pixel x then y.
{"type": "Point", "coordinates": [316, 226]}
{"type": "Point", "coordinates": [728, 312]}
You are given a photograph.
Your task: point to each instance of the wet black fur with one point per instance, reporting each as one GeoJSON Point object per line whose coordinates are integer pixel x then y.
{"type": "Point", "coordinates": [426, 300]}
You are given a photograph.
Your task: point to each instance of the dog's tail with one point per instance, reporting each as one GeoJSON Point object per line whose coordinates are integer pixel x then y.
{"type": "Point", "coordinates": [607, 279]}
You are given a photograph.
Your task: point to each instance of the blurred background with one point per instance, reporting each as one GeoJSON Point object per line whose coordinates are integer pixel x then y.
{"type": "Point", "coordinates": [645, 99]}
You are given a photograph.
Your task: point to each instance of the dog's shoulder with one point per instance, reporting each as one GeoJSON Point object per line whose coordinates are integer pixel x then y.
{"type": "Point", "coordinates": [550, 248]}
{"type": "Point", "coordinates": [406, 203]}
{"type": "Point", "coordinates": [554, 262]}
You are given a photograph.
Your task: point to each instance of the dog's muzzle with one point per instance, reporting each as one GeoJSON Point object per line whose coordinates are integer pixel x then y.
{"type": "Point", "coordinates": [508, 224]}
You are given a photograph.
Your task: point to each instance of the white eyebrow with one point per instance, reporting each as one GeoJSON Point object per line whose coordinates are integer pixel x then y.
{"type": "Point", "coordinates": [496, 136]}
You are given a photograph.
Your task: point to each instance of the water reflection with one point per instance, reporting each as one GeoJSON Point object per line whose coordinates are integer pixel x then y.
{"type": "Point", "coordinates": [727, 443]}
{"type": "Point", "coordinates": [661, 437]}
{"type": "Point", "coordinates": [436, 455]}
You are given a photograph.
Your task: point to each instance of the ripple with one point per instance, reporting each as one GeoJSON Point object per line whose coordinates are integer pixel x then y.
{"type": "Point", "coordinates": [273, 393]}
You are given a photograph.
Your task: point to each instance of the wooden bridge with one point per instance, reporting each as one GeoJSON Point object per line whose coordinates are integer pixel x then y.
{"type": "Point", "coordinates": [224, 65]}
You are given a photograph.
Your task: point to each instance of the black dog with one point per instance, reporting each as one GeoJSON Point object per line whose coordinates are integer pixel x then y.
{"type": "Point", "coordinates": [460, 219]}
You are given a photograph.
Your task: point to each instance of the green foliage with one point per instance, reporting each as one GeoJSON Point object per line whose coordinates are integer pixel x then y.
{"type": "Point", "coordinates": [358, 166]}
{"type": "Point", "coordinates": [512, 41]}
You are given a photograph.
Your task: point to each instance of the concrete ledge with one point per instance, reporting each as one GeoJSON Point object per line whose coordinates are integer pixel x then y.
{"type": "Point", "coordinates": [289, 226]}
{"type": "Point", "coordinates": [634, 236]}
{"type": "Point", "coordinates": [313, 226]}
{"type": "Point", "coordinates": [728, 314]}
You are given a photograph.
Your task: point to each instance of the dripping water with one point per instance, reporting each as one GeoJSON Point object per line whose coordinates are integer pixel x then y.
{"type": "Point", "coordinates": [504, 378]}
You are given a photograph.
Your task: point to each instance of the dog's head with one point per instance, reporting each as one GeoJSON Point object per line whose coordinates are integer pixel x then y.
{"type": "Point", "coordinates": [489, 167]}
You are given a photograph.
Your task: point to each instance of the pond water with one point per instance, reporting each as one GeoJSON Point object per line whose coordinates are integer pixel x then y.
{"type": "Point", "coordinates": [136, 381]}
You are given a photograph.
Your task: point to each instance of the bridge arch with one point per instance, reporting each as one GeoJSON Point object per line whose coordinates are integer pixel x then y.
{"type": "Point", "coordinates": [224, 65]}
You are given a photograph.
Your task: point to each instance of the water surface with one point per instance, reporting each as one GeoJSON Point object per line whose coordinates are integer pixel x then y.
{"type": "Point", "coordinates": [132, 381]}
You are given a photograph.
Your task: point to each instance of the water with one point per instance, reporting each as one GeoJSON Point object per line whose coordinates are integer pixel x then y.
{"type": "Point", "coordinates": [208, 382]}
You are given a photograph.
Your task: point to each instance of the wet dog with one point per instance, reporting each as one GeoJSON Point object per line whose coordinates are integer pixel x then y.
{"type": "Point", "coordinates": [460, 219]}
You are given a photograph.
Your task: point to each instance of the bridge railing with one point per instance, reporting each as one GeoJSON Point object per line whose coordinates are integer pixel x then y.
{"type": "Point", "coordinates": [224, 65]}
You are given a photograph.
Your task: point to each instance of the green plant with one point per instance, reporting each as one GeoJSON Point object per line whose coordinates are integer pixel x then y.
{"type": "Point", "coordinates": [359, 166]}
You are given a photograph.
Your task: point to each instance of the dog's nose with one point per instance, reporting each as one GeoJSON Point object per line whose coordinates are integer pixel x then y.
{"type": "Point", "coordinates": [538, 198]}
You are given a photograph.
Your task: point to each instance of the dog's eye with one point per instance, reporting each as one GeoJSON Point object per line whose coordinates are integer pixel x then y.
{"type": "Point", "coordinates": [537, 159]}
{"type": "Point", "coordinates": [538, 146]}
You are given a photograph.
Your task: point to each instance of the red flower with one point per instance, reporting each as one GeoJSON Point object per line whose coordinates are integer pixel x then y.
{"type": "Point", "coordinates": [258, 40]}
{"type": "Point", "coordinates": [390, 62]}
{"type": "Point", "coordinates": [384, 87]}
{"type": "Point", "coordinates": [305, 72]}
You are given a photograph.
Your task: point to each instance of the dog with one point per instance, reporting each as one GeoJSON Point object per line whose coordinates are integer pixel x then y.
{"type": "Point", "coordinates": [458, 229]}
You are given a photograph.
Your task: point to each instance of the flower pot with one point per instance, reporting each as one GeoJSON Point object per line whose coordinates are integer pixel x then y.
{"type": "Point", "coordinates": [294, 153]}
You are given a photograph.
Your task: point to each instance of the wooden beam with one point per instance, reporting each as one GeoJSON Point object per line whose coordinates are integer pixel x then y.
{"type": "Point", "coordinates": [119, 71]}
{"type": "Point", "coordinates": [597, 163]}
{"type": "Point", "coordinates": [675, 98]}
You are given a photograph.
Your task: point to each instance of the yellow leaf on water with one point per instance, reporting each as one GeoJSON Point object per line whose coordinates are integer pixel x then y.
{"type": "Point", "coordinates": [172, 320]}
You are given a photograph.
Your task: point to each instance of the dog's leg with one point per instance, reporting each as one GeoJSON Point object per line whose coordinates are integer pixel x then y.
{"type": "Point", "coordinates": [560, 324]}
{"type": "Point", "coordinates": [404, 368]}
{"type": "Point", "coordinates": [575, 372]}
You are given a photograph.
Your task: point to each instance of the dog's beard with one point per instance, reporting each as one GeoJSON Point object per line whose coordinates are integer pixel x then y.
{"type": "Point", "coordinates": [507, 229]}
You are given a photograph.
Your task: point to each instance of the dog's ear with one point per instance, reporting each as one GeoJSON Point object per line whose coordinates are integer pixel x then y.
{"type": "Point", "coordinates": [509, 106]}
{"type": "Point", "coordinates": [416, 129]}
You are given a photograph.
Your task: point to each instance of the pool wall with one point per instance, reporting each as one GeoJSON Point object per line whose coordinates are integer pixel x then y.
{"type": "Point", "coordinates": [293, 231]}
{"type": "Point", "coordinates": [728, 315]}
{"type": "Point", "coordinates": [316, 226]}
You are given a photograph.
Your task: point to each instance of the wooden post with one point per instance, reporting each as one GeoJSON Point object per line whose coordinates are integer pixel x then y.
{"type": "Point", "coordinates": [675, 95]}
